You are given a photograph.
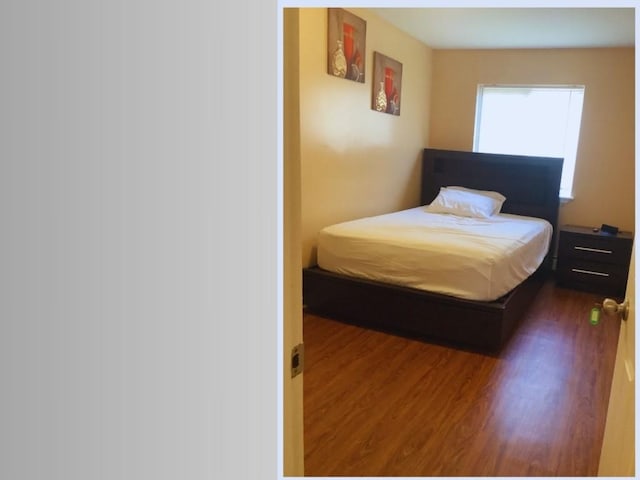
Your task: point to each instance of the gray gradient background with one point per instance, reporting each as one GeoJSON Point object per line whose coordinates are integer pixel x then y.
{"type": "Point", "coordinates": [138, 239]}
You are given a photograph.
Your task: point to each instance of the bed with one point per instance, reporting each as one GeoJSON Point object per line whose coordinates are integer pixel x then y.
{"type": "Point", "coordinates": [471, 313]}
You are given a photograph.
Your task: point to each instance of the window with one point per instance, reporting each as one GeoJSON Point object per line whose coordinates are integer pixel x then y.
{"type": "Point", "coordinates": [531, 120]}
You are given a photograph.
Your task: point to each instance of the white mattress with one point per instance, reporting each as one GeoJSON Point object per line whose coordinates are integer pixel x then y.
{"type": "Point", "coordinates": [476, 259]}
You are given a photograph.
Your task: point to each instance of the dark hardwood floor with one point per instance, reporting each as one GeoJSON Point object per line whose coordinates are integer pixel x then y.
{"type": "Point", "coordinates": [377, 404]}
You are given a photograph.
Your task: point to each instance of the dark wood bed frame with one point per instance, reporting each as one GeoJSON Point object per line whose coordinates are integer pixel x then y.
{"type": "Point", "coordinates": [531, 185]}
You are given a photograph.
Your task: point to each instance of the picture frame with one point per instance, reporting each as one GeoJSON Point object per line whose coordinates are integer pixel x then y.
{"type": "Point", "coordinates": [387, 84]}
{"type": "Point", "coordinates": [346, 45]}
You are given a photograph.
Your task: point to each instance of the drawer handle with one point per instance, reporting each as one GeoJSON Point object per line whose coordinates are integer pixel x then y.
{"type": "Point", "coordinates": [589, 272]}
{"type": "Point", "coordinates": [595, 250]}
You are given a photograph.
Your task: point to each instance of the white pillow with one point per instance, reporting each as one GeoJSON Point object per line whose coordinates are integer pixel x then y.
{"type": "Point", "coordinates": [463, 203]}
{"type": "Point", "coordinates": [497, 196]}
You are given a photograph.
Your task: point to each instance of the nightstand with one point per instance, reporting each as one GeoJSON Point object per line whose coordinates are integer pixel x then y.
{"type": "Point", "coordinates": [594, 261]}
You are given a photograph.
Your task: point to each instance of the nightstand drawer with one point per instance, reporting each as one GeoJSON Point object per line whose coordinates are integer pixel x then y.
{"type": "Point", "coordinates": [595, 248]}
{"type": "Point", "coordinates": [599, 277]}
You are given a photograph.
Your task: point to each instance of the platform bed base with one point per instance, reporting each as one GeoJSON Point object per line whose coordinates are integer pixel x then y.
{"type": "Point", "coordinates": [484, 326]}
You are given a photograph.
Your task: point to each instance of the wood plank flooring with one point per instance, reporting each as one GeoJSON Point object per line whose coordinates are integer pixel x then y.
{"type": "Point", "coordinates": [376, 404]}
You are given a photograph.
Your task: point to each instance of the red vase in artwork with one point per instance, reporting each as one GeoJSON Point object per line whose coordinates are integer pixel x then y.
{"type": "Point", "coordinates": [388, 81]}
{"type": "Point", "coordinates": [347, 35]}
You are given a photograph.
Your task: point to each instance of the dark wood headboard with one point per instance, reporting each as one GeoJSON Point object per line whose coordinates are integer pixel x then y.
{"type": "Point", "coordinates": [531, 184]}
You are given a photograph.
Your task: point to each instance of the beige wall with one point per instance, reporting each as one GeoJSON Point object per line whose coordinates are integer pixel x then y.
{"type": "Point", "coordinates": [356, 161]}
{"type": "Point", "coordinates": [604, 176]}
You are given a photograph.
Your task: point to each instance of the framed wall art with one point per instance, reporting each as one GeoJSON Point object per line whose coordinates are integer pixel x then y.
{"type": "Point", "coordinates": [346, 45]}
{"type": "Point", "coordinates": [387, 84]}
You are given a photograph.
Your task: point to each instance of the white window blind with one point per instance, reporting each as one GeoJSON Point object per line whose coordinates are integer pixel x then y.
{"type": "Point", "coordinates": [531, 120]}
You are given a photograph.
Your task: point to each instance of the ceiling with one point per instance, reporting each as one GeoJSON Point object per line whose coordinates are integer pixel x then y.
{"type": "Point", "coordinates": [472, 28]}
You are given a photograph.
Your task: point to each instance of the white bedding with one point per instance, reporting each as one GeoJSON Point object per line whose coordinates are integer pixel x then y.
{"type": "Point", "coordinates": [471, 258]}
